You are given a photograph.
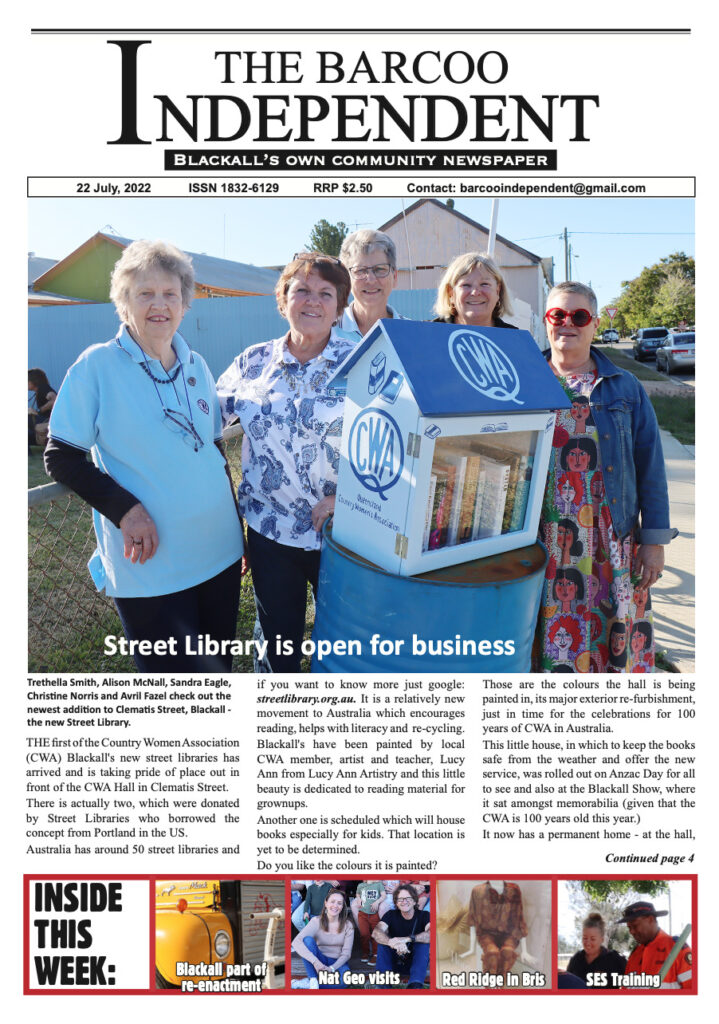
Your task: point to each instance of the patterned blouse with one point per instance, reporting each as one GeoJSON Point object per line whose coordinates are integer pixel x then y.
{"type": "Point", "coordinates": [293, 429]}
{"type": "Point", "coordinates": [498, 913]}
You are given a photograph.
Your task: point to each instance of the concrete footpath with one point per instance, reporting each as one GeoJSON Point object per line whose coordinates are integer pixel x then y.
{"type": "Point", "coordinates": [673, 596]}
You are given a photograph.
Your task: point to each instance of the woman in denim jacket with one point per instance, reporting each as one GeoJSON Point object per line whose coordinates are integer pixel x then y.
{"type": "Point", "coordinates": [620, 530]}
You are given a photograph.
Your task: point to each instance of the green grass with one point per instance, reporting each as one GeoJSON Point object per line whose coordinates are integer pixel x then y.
{"type": "Point", "coordinates": [67, 618]}
{"type": "Point", "coordinates": [641, 371]}
{"type": "Point", "coordinates": [676, 413]}
{"type": "Point", "coordinates": [36, 475]}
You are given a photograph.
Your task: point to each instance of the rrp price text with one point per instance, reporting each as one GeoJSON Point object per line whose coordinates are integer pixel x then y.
{"type": "Point", "coordinates": [346, 187]}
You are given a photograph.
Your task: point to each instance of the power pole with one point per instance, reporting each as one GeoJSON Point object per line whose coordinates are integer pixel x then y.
{"type": "Point", "coordinates": [566, 255]}
{"type": "Point", "coordinates": [493, 228]}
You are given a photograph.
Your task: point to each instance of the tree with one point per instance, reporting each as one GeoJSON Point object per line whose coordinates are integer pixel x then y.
{"type": "Point", "coordinates": [618, 888]}
{"type": "Point", "coordinates": [609, 897]}
{"type": "Point", "coordinates": [682, 264]}
{"type": "Point", "coordinates": [674, 300]}
{"type": "Point", "coordinates": [661, 295]}
{"type": "Point", "coordinates": [327, 238]}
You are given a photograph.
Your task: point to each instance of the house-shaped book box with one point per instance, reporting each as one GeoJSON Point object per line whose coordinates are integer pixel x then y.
{"type": "Point", "coordinates": [445, 444]}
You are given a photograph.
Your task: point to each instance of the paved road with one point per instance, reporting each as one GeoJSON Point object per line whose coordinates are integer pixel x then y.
{"type": "Point", "coordinates": [673, 595]}
{"type": "Point", "coordinates": [673, 602]}
{"type": "Point", "coordinates": [686, 377]}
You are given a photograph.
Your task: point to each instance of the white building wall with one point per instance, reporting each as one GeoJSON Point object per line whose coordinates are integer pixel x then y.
{"type": "Point", "coordinates": [430, 237]}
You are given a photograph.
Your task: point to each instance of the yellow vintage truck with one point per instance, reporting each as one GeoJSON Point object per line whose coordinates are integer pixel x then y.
{"type": "Point", "coordinates": [210, 921]}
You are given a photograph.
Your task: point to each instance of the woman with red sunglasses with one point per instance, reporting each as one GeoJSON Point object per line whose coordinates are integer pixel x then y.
{"type": "Point", "coordinates": [622, 430]}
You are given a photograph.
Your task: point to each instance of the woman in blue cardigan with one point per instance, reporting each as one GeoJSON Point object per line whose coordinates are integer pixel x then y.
{"type": "Point", "coordinates": [621, 529]}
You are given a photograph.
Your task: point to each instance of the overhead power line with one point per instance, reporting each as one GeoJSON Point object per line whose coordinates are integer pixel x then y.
{"type": "Point", "coordinates": [533, 238]}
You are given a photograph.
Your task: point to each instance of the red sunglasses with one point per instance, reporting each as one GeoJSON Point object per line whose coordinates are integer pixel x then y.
{"type": "Point", "coordinates": [579, 317]}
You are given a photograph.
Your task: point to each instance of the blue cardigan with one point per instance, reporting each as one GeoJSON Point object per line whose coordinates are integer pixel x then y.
{"type": "Point", "coordinates": [632, 459]}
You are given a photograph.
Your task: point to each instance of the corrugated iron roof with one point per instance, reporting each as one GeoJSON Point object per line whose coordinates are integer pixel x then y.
{"type": "Point", "coordinates": [210, 271]}
{"type": "Point", "coordinates": [229, 275]}
{"type": "Point", "coordinates": [36, 266]}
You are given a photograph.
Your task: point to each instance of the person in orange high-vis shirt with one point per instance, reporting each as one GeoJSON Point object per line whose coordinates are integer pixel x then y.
{"type": "Point", "coordinates": [654, 946]}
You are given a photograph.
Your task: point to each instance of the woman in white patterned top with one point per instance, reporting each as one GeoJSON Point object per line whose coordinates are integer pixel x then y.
{"type": "Point", "coordinates": [290, 452]}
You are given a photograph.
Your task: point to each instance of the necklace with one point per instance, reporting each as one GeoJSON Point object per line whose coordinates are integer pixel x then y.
{"type": "Point", "coordinates": [174, 418]}
{"type": "Point", "coordinates": [169, 379]}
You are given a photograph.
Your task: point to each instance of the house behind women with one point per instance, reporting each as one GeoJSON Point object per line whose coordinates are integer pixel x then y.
{"type": "Point", "coordinates": [429, 234]}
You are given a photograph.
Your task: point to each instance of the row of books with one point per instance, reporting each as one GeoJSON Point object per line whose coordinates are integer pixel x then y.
{"type": "Point", "coordinates": [479, 494]}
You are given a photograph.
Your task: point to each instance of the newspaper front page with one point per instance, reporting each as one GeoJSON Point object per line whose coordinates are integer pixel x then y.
{"type": "Point", "coordinates": [419, 797]}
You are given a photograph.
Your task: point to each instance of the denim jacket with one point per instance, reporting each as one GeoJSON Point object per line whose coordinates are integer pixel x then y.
{"type": "Point", "coordinates": [632, 457]}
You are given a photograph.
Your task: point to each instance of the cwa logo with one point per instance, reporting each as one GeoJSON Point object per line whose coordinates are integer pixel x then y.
{"type": "Point", "coordinates": [484, 366]}
{"type": "Point", "coordinates": [376, 452]}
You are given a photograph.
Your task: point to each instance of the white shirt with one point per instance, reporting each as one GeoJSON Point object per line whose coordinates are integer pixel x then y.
{"type": "Point", "coordinates": [349, 324]}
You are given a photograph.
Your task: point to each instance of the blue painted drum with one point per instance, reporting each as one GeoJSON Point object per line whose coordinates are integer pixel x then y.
{"type": "Point", "coordinates": [479, 616]}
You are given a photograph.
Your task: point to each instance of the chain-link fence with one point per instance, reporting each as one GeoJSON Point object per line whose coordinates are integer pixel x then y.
{"type": "Point", "coordinates": [68, 619]}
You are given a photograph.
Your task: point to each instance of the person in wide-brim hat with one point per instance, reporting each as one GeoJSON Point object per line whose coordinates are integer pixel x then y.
{"type": "Point", "coordinates": [640, 909]}
{"type": "Point", "coordinates": [654, 952]}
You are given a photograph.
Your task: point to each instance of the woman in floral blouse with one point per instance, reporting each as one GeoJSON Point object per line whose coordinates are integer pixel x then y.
{"type": "Point", "coordinates": [290, 452]}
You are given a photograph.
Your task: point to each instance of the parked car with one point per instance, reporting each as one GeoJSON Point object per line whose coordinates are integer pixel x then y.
{"type": "Point", "coordinates": [677, 352]}
{"type": "Point", "coordinates": [648, 341]}
{"type": "Point", "coordinates": [610, 335]}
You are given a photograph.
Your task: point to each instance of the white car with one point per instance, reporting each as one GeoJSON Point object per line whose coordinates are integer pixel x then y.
{"type": "Point", "coordinates": [677, 352]}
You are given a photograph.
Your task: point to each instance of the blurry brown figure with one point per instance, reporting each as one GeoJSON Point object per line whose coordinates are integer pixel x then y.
{"type": "Point", "coordinates": [497, 915]}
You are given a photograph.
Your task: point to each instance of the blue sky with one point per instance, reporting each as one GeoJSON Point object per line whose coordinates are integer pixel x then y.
{"type": "Point", "coordinates": [612, 238]}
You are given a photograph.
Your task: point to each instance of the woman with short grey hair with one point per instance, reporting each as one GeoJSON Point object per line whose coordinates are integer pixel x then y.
{"type": "Point", "coordinates": [371, 258]}
{"type": "Point", "coordinates": [574, 288]}
{"type": "Point", "coordinates": [607, 448]}
{"type": "Point", "coordinates": [169, 540]}
{"type": "Point", "coordinates": [142, 257]}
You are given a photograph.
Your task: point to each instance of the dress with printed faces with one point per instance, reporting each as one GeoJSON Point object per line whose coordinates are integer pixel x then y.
{"type": "Point", "coordinates": [591, 619]}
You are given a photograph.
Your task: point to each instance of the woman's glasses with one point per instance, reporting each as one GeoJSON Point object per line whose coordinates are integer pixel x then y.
{"type": "Point", "coordinates": [178, 423]}
{"type": "Point", "coordinates": [557, 317]}
{"type": "Point", "coordinates": [363, 273]}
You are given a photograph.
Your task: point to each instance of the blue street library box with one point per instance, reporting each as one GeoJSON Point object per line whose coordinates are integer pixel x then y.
{"type": "Point", "coordinates": [445, 444]}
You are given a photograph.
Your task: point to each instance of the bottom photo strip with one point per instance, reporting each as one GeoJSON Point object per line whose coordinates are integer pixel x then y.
{"type": "Point", "coordinates": [273, 935]}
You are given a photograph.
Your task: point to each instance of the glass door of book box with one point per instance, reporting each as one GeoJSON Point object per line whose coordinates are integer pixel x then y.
{"type": "Point", "coordinates": [479, 487]}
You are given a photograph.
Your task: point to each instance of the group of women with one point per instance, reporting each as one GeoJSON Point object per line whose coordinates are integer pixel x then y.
{"type": "Point", "coordinates": [170, 531]}
{"type": "Point", "coordinates": [392, 921]}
